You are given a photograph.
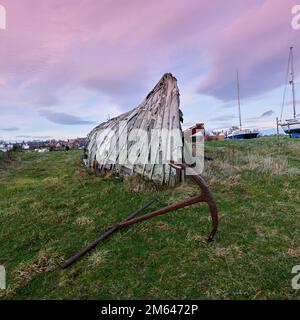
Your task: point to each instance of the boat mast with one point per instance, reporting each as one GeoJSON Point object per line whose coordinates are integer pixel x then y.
{"type": "Point", "coordinates": [292, 82]}
{"type": "Point", "coordinates": [239, 99]}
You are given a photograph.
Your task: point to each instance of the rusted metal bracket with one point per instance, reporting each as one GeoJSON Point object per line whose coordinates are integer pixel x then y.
{"type": "Point", "coordinates": [204, 196]}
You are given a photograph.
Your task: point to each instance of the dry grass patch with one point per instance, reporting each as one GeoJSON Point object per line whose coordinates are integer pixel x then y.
{"type": "Point", "coordinates": [98, 258]}
{"type": "Point", "coordinates": [265, 232]}
{"type": "Point", "coordinates": [271, 165]}
{"type": "Point", "coordinates": [38, 205]}
{"type": "Point", "coordinates": [83, 208]}
{"type": "Point", "coordinates": [183, 191]}
{"type": "Point", "coordinates": [163, 226]}
{"type": "Point", "coordinates": [233, 250]}
{"type": "Point", "coordinates": [20, 182]}
{"type": "Point", "coordinates": [79, 176]}
{"type": "Point", "coordinates": [45, 260]}
{"type": "Point", "coordinates": [294, 252]}
{"type": "Point", "coordinates": [50, 181]}
{"type": "Point", "coordinates": [137, 183]}
{"type": "Point", "coordinates": [219, 167]}
{"type": "Point", "coordinates": [84, 221]}
{"type": "Point", "coordinates": [196, 238]}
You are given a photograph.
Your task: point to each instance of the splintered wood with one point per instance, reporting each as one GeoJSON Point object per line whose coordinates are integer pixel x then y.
{"type": "Point", "coordinates": [143, 140]}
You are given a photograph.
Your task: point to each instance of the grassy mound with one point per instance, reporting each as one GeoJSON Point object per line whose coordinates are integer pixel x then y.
{"type": "Point", "coordinates": [51, 206]}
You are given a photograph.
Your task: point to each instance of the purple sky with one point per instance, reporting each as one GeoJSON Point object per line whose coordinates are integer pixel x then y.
{"type": "Point", "coordinates": [67, 65]}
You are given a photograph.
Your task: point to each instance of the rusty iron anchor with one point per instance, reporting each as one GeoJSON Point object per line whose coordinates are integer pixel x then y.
{"type": "Point", "coordinates": [205, 195]}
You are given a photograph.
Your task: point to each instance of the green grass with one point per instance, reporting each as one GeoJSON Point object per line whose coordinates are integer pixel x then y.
{"type": "Point", "coordinates": [50, 207]}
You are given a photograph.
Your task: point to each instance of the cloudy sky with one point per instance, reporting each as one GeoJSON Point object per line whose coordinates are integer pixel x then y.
{"type": "Point", "coordinates": [67, 65]}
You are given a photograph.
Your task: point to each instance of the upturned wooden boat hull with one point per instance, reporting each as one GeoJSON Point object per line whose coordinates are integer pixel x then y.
{"type": "Point", "coordinates": [158, 113]}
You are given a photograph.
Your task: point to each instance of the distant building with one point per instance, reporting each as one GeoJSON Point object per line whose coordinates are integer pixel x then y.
{"type": "Point", "coordinates": [49, 145]}
{"type": "Point", "coordinates": [26, 146]}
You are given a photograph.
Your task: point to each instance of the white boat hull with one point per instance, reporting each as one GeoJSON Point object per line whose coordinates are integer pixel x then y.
{"type": "Point", "coordinates": [291, 126]}
{"type": "Point", "coordinates": [242, 134]}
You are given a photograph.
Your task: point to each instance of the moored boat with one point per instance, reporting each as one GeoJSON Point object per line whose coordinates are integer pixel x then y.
{"type": "Point", "coordinates": [240, 133]}
{"type": "Point", "coordinates": [291, 126]}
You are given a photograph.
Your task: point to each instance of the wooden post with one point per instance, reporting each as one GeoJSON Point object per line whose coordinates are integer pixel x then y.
{"type": "Point", "coordinates": [277, 127]}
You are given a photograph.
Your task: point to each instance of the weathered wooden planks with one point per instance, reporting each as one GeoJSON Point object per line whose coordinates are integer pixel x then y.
{"type": "Point", "coordinates": [159, 112]}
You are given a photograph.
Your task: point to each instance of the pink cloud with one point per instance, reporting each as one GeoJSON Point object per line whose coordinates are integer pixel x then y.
{"type": "Point", "coordinates": [257, 44]}
{"type": "Point", "coordinates": [116, 47]}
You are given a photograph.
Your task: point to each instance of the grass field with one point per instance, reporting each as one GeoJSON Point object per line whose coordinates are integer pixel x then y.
{"type": "Point", "coordinates": [50, 207]}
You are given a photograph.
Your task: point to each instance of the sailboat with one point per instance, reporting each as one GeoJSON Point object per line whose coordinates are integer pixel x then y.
{"type": "Point", "coordinates": [239, 132]}
{"type": "Point", "coordinates": [290, 126]}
